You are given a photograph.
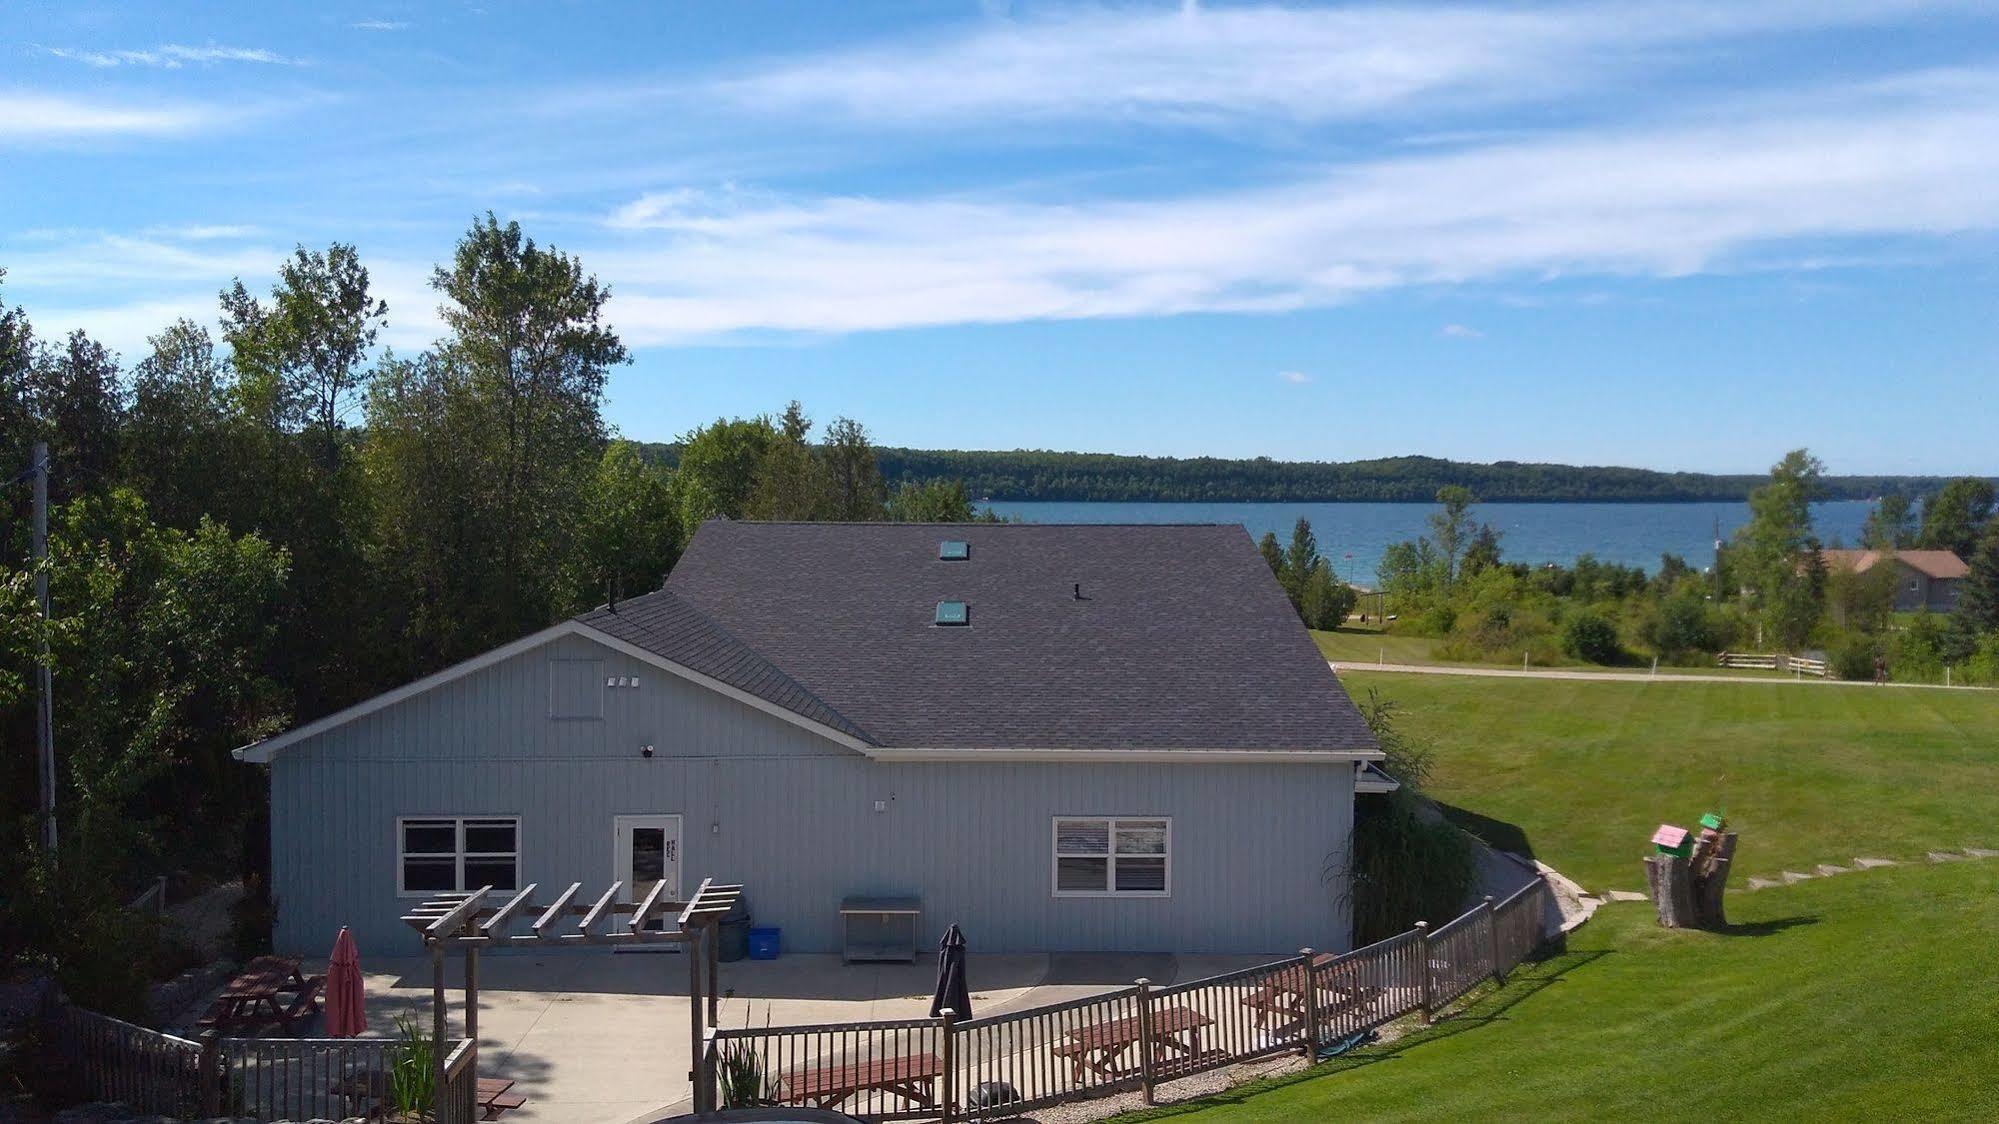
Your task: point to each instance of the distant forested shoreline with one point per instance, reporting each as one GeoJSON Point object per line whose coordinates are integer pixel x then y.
{"type": "Point", "coordinates": [1040, 475]}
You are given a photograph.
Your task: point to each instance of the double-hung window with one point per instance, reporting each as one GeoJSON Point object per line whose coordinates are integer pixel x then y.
{"type": "Point", "coordinates": [1113, 856]}
{"type": "Point", "coordinates": [437, 854]}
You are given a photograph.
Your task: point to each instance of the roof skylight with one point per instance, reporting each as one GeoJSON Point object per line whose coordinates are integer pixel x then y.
{"type": "Point", "coordinates": [954, 550]}
{"type": "Point", "coordinates": [954, 613]}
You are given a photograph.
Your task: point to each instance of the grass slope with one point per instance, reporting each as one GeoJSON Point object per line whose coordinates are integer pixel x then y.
{"type": "Point", "coordinates": [1579, 773]}
{"type": "Point", "coordinates": [1865, 996]}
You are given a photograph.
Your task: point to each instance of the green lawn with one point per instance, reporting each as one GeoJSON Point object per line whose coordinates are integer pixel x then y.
{"type": "Point", "coordinates": [1355, 645]}
{"type": "Point", "coordinates": [1579, 773]}
{"type": "Point", "coordinates": [1866, 996]}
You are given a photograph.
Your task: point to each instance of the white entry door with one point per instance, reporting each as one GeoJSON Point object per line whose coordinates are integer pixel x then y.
{"type": "Point", "coordinates": [647, 852]}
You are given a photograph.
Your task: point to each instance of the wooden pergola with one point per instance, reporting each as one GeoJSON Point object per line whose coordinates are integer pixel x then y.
{"type": "Point", "coordinates": [479, 920]}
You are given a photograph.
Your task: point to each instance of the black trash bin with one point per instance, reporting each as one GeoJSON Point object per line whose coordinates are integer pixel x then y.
{"type": "Point", "coordinates": [732, 939]}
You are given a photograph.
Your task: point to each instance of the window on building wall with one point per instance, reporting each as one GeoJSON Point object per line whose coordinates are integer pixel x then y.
{"type": "Point", "coordinates": [440, 854]}
{"type": "Point", "coordinates": [1113, 856]}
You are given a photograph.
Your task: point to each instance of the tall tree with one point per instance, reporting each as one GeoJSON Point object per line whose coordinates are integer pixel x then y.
{"type": "Point", "coordinates": [1778, 548]}
{"type": "Point", "coordinates": [938, 501]}
{"type": "Point", "coordinates": [630, 532]}
{"type": "Point", "coordinates": [1955, 515]}
{"type": "Point", "coordinates": [79, 408]}
{"type": "Point", "coordinates": [180, 449]}
{"type": "Point", "coordinates": [1300, 559]}
{"type": "Point", "coordinates": [1483, 553]}
{"type": "Point", "coordinates": [1978, 599]}
{"type": "Point", "coordinates": [529, 341]}
{"type": "Point", "coordinates": [790, 482]}
{"type": "Point", "coordinates": [1452, 526]}
{"type": "Point", "coordinates": [854, 482]}
{"type": "Point", "coordinates": [1890, 525]}
{"type": "Point", "coordinates": [718, 469]}
{"type": "Point", "coordinates": [301, 358]}
{"type": "Point", "coordinates": [1273, 555]}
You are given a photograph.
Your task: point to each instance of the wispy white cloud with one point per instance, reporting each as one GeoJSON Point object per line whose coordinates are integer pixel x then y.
{"type": "Point", "coordinates": [1295, 378]}
{"type": "Point", "coordinates": [1264, 62]}
{"type": "Point", "coordinates": [26, 116]}
{"type": "Point", "coordinates": [379, 25]}
{"type": "Point", "coordinates": [1659, 202]}
{"type": "Point", "coordinates": [172, 56]}
{"type": "Point", "coordinates": [1461, 332]}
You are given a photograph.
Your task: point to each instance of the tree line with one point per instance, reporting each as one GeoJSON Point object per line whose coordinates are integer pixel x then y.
{"type": "Point", "coordinates": [256, 523]}
{"type": "Point", "coordinates": [1773, 587]}
{"type": "Point", "coordinates": [1045, 475]}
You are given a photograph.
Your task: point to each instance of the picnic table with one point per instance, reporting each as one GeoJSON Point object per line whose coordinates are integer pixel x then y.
{"type": "Point", "coordinates": [1282, 996]}
{"type": "Point", "coordinates": [256, 996]}
{"type": "Point", "coordinates": [1101, 1048]}
{"type": "Point", "coordinates": [911, 1076]}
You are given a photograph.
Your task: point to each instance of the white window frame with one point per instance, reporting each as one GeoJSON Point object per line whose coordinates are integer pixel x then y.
{"type": "Point", "coordinates": [1110, 889]}
{"type": "Point", "coordinates": [459, 820]}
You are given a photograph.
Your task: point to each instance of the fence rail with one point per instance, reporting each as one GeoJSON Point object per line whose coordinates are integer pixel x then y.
{"type": "Point", "coordinates": [265, 1078]}
{"type": "Point", "coordinates": [1777, 661]}
{"type": "Point", "coordinates": [1001, 1065]}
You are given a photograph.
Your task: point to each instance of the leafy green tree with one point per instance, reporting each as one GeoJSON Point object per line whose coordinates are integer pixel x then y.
{"type": "Point", "coordinates": [790, 483]}
{"type": "Point", "coordinates": [1405, 863]}
{"type": "Point", "coordinates": [938, 501]}
{"type": "Point", "coordinates": [1683, 625]}
{"type": "Point", "coordinates": [1890, 525]}
{"type": "Point", "coordinates": [527, 353]}
{"type": "Point", "coordinates": [854, 482]}
{"type": "Point", "coordinates": [1483, 553]}
{"type": "Point", "coordinates": [1273, 555]}
{"type": "Point", "coordinates": [1409, 570]}
{"type": "Point", "coordinates": [1777, 547]}
{"type": "Point", "coordinates": [1978, 597]}
{"type": "Point", "coordinates": [1452, 526]}
{"type": "Point", "coordinates": [718, 468]}
{"type": "Point", "coordinates": [1861, 600]}
{"type": "Point", "coordinates": [78, 407]}
{"type": "Point", "coordinates": [181, 434]}
{"type": "Point", "coordinates": [1326, 601]}
{"type": "Point", "coordinates": [1953, 517]}
{"type": "Point", "coordinates": [630, 532]}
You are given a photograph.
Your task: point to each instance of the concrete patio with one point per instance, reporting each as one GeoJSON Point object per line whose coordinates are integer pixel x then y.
{"type": "Point", "coordinates": [592, 1036]}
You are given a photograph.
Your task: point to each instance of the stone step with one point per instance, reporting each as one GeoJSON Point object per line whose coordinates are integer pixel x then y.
{"type": "Point", "coordinates": [1869, 864]}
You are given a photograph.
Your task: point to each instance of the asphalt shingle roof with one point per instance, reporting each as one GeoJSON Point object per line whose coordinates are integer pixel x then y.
{"type": "Point", "coordinates": [1181, 638]}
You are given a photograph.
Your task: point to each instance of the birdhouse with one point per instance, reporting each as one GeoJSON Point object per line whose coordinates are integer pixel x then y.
{"type": "Point", "coordinates": [1670, 840]}
{"type": "Point", "coordinates": [1713, 821]}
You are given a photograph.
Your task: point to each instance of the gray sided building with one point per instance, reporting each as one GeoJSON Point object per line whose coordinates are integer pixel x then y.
{"type": "Point", "coordinates": [1061, 738]}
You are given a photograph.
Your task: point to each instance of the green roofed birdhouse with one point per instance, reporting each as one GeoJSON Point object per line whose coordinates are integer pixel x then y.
{"type": "Point", "coordinates": [1714, 821]}
{"type": "Point", "coordinates": [1670, 840]}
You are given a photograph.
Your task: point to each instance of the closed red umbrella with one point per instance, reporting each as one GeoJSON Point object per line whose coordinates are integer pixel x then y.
{"type": "Point", "coordinates": [344, 996]}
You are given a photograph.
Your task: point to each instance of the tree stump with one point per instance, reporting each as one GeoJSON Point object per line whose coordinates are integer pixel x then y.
{"type": "Point", "coordinates": [1688, 892]}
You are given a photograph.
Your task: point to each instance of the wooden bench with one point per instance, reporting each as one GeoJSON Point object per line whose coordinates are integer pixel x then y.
{"type": "Point", "coordinates": [910, 1076]}
{"type": "Point", "coordinates": [504, 1102]}
{"type": "Point", "coordinates": [304, 1004]}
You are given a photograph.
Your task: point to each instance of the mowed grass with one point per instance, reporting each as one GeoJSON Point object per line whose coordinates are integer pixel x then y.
{"type": "Point", "coordinates": [1357, 645]}
{"type": "Point", "coordinates": [1866, 996]}
{"type": "Point", "coordinates": [1580, 773]}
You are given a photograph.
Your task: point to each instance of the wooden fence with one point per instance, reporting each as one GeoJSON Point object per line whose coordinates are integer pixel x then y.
{"type": "Point", "coordinates": [265, 1078]}
{"type": "Point", "coordinates": [1766, 661]}
{"type": "Point", "coordinates": [1001, 1065]}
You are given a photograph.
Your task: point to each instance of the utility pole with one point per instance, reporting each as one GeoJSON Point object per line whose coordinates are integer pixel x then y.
{"type": "Point", "coordinates": [44, 700]}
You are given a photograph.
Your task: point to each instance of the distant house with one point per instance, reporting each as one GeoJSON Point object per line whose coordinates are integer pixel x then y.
{"type": "Point", "coordinates": [1060, 737]}
{"type": "Point", "coordinates": [1923, 578]}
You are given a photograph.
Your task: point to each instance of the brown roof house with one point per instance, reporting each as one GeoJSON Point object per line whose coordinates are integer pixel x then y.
{"type": "Point", "coordinates": [1060, 737]}
{"type": "Point", "coordinates": [1924, 579]}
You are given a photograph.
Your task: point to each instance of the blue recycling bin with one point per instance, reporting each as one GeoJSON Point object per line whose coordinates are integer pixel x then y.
{"type": "Point", "coordinates": [764, 943]}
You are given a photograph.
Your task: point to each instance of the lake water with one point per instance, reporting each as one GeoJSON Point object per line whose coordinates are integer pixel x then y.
{"type": "Point", "coordinates": [1353, 535]}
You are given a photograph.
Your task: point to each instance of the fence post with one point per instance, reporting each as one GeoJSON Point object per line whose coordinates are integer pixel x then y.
{"type": "Point", "coordinates": [1311, 1006]}
{"type": "Point", "coordinates": [1145, 1037]}
{"type": "Point", "coordinates": [949, 1109]}
{"type": "Point", "coordinates": [1423, 969]}
{"type": "Point", "coordinates": [208, 1073]}
{"type": "Point", "coordinates": [1492, 932]}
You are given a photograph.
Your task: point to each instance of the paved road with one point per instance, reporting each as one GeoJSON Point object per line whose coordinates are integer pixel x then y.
{"type": "Point", "coordinates": [1625, 676]}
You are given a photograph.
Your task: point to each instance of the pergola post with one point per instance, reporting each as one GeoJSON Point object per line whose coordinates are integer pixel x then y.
{"type": "Point", "coordinates": [714, 972]}
{"type": "Point", "coordinates": [695, 1027]}
{"type": "Point", "coordinates": [437, 1024]}
{"type": "Point", "coordinates": [472, 994]}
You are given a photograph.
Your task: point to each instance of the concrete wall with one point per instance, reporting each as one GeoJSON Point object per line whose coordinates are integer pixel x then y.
{"type": "Point", "coordinates": [791, 816]}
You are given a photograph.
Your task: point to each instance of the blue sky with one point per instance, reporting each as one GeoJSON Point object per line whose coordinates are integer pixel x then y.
{"type": "Point", "coordinates": [1685, 235]}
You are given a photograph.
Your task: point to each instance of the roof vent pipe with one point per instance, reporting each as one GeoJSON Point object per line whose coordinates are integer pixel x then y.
{"type": "Point", "coordinates": [1079, 591]}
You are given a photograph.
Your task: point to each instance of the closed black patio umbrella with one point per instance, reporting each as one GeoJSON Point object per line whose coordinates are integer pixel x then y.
{"type": "Point", "coordinates": [952, 990]}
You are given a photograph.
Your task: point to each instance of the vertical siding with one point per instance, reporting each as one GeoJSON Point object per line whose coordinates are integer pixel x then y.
{"type": "Point", "coordinates": [790, 815]}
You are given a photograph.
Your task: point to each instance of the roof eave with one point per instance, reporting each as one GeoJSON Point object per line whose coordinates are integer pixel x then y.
{"type": "Point", "coordinates": [1148, 754]}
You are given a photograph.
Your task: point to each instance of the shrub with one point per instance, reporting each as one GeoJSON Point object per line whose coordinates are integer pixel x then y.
{"type": "Point", "coordinates": [1587, 636]}
{"type": "Point", "coordinates": [1853, 657]}
{"type": "Point", "coordinates": [1682, 626]}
